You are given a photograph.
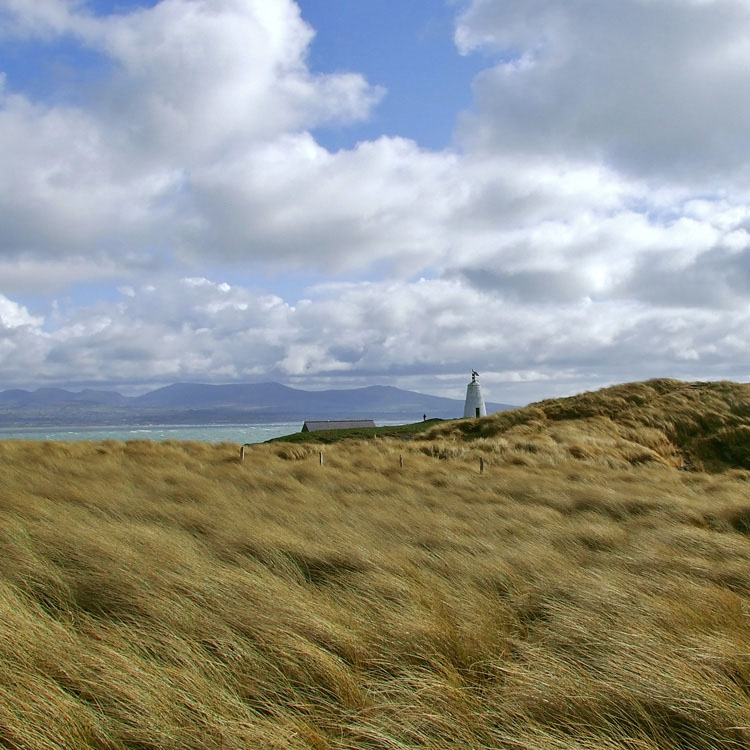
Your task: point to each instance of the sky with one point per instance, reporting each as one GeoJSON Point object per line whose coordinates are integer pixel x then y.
{"type": "Point", "coordinates": [340, 193]}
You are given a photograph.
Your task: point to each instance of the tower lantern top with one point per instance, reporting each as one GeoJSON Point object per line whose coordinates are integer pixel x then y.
{"type": "Point", "coordinates": [474, 376]}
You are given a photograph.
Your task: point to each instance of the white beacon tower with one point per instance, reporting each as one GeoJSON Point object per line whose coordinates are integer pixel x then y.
{"type": "Point", "coordinates": [474, 406]}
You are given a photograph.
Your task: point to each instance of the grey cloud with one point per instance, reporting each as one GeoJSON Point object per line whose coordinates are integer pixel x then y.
{"type": "Point", "coordinates": [653, 88]}
{"type": "Point", "coordinates": [552, 287]}
{"type": "Point", "coordinates": [718, 280]}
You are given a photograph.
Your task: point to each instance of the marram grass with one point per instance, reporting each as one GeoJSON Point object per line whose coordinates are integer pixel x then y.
{"type": "Point", "coordinates": [581, 593]}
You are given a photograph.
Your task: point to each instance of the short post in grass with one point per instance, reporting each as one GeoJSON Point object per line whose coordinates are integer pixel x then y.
{"type": "Point", "coordinates": [481, 465]}
{"type": "Point", "coordinates": [242, 453]}
{"type": "Point", "coordinates": [401, 460]}
{"type": "Point", "coordinates": [320, 456]}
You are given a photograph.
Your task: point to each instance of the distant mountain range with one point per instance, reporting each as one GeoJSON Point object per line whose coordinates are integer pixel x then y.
{"type": "Point", "coordinates": [195, 403]}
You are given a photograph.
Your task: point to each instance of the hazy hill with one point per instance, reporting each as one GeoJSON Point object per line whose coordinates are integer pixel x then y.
{"type": "Point", "coordinates": [44, 397]}
{"type": "Point", "coordinates": [198, 395]}
{"type": "Point", "coordinates": [685, 425]}
{"type": "Point", "coordinates": [280, 399]}
{"type": "Point", "coordinates": [185, 403]}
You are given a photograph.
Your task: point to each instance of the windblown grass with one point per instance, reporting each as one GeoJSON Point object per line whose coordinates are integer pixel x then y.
{"type": "Point", "coordinates": [168, 596]}
{"type": "Point", "coordinates": [688, 425]}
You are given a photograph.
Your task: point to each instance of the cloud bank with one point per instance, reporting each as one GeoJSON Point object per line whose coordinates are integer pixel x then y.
{"type": "Point", "coordinates": [589, 224]}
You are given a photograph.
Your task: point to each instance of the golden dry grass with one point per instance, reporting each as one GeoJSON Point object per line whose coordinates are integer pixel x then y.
{"type": "Point", "coordinates": [169, 596]}
{"type": "Point", "coordinates": [689, 425]}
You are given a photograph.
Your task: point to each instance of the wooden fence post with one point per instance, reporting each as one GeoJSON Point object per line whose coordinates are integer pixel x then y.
{"type": "Point", "coordinates": [401, 460]}
{"type": "Point", "coordinates": [481, 465]}
{"type": "Point", "coordinates": [320, 456]}
{"type": "Point", "coordinates": [242, 453]}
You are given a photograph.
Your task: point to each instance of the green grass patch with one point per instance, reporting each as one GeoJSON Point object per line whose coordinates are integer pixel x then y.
{"type": "Point", "coordinates": [403, 431]}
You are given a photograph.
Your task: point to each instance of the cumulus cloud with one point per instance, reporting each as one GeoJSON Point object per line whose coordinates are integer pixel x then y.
{"type": "Point", "coordinates": [404, 333]}
{"type": "Point", "coordinates": [13, 315]}
{"type": "Point", "coordinates": [627, 123]}
{"type": "Point", "coordinates": [652, 87]}
{"type": "Point", "coordinates": [294, 204]}
{"type": "Point", "coordinates": [590, 224]}
{"type": "Point", "coordinates": [195, 75]}
{"type": "Point", "coordinates": [194, 88]}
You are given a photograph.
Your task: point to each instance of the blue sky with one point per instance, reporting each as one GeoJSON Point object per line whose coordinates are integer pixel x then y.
{"type": "Point", "coordinates": [406, 47]}
{"type": "Point", "coordinates": [336, 193]}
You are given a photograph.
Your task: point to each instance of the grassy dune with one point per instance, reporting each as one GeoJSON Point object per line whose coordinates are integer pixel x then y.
{"type": "Point", "coordinates": [702, 426]}
{"type": "Point", "coordinates": [581, 593]}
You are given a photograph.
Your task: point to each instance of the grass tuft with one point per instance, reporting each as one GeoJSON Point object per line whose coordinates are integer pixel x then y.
{"type": "Point", "coordinates": [581, 592]}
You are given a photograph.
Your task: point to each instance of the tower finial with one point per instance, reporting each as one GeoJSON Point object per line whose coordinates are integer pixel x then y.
{"type": "Point", "coordinates": [474, 375]}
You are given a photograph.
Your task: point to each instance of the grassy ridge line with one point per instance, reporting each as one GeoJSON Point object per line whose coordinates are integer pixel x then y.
{"type": "Point", "coordinates": [685, 425]}
{"type": "Point", "coordinates": [404, 431]}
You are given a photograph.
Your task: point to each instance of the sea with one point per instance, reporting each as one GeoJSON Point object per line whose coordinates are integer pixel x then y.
{"type": "Point", "coordinates": [231, 433]}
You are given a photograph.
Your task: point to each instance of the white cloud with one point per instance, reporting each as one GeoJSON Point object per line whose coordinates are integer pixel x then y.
{"type": "Point", "coordinates": [591, 224]}
{"type": "Point", "coordinates": [40, 18]}
{"type": "Point", "coordinates": [291, 203]}
{"type": "Point", "coordinates": [195, 88]}
{"type": "Point", "coordinates": [196, 75]}
{"type": "Point", "coordinates": [13, 315]}
{"type": "Point", "coordinates": [409, 334]}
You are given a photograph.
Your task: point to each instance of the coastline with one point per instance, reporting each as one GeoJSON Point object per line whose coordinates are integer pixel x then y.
{"type": "Point", "coordinates": [254, 432]}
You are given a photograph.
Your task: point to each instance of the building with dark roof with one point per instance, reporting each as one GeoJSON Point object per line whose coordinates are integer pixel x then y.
{"type": "Point", "coordinates": [336, 424]}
